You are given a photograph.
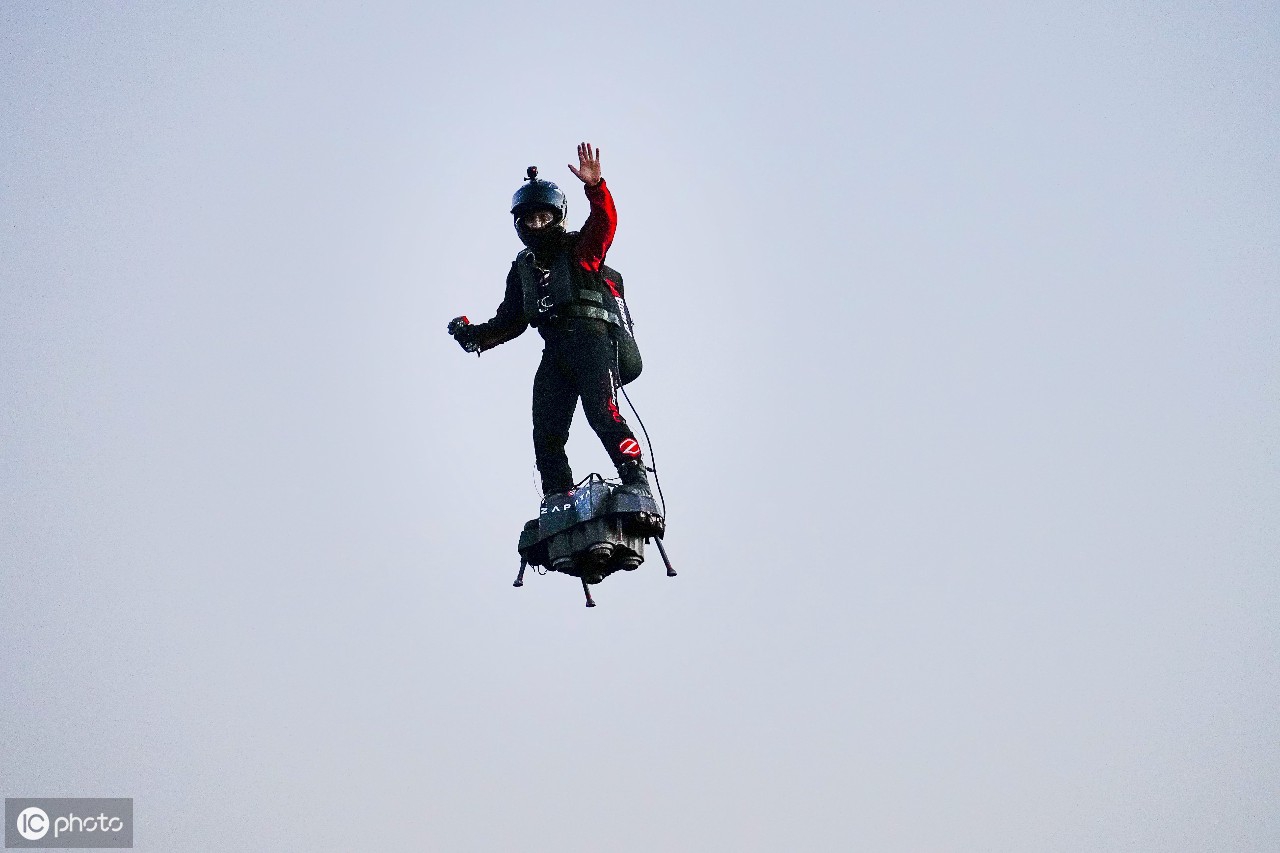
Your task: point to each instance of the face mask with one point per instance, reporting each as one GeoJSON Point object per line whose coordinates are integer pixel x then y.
{"type": "Point", "coordinates": [539, 238]}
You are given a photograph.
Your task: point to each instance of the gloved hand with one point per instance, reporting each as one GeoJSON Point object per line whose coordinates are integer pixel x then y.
{"type": "Point", "coordinates": [464, 333]}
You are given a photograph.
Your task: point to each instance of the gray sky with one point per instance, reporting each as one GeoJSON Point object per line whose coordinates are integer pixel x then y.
{"type": "Point", "coordinates": [959, 323]}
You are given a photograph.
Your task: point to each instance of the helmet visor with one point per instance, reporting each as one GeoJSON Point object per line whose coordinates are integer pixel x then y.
{"type": "Point", "coordinates": [537, 219]}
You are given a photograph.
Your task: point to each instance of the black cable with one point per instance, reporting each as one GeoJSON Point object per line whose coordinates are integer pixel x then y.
{"type": "Point", "coordinates": [617, 356]}
{"type": "Point", "coordinates": [652, 458]}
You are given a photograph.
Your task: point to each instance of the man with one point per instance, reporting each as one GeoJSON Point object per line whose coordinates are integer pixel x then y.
{"type": "Point", "coordinates": [560, 286]}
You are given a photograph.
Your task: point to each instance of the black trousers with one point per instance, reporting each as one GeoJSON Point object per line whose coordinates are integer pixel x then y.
{"type": "Point", "coordinates": [578, 362]}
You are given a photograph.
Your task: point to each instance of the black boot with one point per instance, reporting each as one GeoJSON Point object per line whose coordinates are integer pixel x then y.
{"type": "Point", "coordinates": [556, 484]}
{"type": "Point", "coordinates": [634, 476]}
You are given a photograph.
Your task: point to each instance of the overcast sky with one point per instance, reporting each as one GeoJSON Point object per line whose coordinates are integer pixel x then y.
{"type": "Point", "coordinates": [960, 331]}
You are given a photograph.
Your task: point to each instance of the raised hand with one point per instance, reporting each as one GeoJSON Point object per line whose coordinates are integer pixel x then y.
{"type": "Point", "coordinates": [588, 170]}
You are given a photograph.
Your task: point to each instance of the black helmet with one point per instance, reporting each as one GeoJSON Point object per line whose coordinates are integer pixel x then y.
{"type": "Point", "coordinates": [536, 193]}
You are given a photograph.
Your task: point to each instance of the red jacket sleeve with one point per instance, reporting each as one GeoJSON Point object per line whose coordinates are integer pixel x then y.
{"type": "Point", "coordinates": [597, 234]}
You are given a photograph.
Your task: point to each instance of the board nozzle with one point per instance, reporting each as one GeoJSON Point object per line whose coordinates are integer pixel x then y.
{"type": "Point", "coordinates": [532, 172]}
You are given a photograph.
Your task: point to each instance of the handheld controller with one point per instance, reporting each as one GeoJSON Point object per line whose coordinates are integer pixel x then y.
{"type": "Point", "coordinates": [456, 325]}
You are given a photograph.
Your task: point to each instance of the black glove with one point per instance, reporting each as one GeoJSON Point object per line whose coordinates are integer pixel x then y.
{"type": "Point", "coordinates": [465, 334]}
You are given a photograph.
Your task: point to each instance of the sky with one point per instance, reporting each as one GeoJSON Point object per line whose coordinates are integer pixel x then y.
{"type": "Point", "coordinates": [960, 335]}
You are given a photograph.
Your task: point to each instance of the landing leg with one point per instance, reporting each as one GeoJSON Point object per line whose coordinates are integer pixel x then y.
{"type": "Point", "coordinates": [663, 551]}
{"type": "Point", "coordinates": [520, 577]}
{"type": "Point", "coordinates": [590, 601]}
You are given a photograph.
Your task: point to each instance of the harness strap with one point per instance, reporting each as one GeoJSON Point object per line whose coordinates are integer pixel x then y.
{"type": "Point", "coordinates": [578, 310]}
